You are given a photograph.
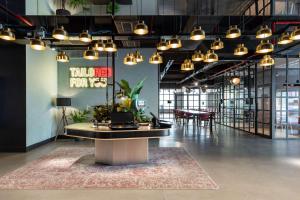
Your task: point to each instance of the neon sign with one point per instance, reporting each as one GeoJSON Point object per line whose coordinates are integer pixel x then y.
{"type": "Point", "coordinates": [89, 77]}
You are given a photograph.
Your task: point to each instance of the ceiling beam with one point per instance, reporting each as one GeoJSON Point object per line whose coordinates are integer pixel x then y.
{"type": "Point", "coordinates": [166, 69]}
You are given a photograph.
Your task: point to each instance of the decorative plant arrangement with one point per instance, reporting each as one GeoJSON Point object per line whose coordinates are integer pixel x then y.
{"type": "Point", "coordinates": [102, 113]}
{"type": "Point", "coordinates": [79, 116]}
{"type": "Point", "coordinates": [77, 3]}
{"type": "Point", "coordinates": [109, 8]}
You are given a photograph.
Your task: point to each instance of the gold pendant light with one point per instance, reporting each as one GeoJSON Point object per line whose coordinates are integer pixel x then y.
{"type": "Point", "coordinates": [240, 50]}
{"type": "Point", "coordinates": [7, 34]}
{"type": "Point", "coordinates": [266, 61]}
{"type": "Point", "coordinates": [197, 33]}
{"type": "Point", "coordinates": [295, 35]}
{"type": "Point", "coordinates": [217, 44]}
{"type": "Point", "coordinates": [156, 58]}
{"type": "Point", "coordinates": [140, 28]}
{"type": "Point", "coordinates": [37, 43]}
{"type": "Point", "coordinates": [162, 45]}
{"type": "Point", "coordinates": [174, 43]}
{"type": "Point", "coordinates": [85, 36]}
{"type": "Point", "coordinates": [187, 65]}
{"type": "Point", "coordinates": [235, 80]}
{"type": "Point", "coordinates": [284, 39]}
{"type": "Point", "coordinates": [110, 46]}
{"type": "Point", "coordinates": [130, 59]}
{"type": "Point", "coordinates": [60, 33]}
{"type": "Point", "coordinates": [62, 57]}
{"type": "Point", "coordinates": [233, 32]}
{"type": "Point", "coordinates": [197, 56]}
{"type": "Point", "coordinates": [91, 54]}
{"type": "Point", "coordinates": [265, 47]}
{"type": "Point", "coordinates": [99, 45]}
{"type": "Point", "coordinates": [139, 57]}
{"type": "Point", "coordinates": [263, 32]}
{"type": "Point", "coordinates": [211, 56]}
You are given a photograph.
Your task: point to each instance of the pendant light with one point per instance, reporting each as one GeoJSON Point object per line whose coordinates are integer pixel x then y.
{"type": "Point", "coordinates": [130, 59]}
{"type": "Point", "coordinates": [197, 56]}
{"type": "Point", "coordinates": [240, 50]}
{"type": "Point", "coordinates": [139, 57]}
{"type": "Point", "coordinates": [265, 47]}
{"type": "Point", "coordinates": [110, 46]}
{"type": "Point", "coordinates": [197, 33]}
{"type": "Point", "coordinates": [217, 44]}
{"type": "Point", "coordinates": [85, 36]}
{"type": "Point", "coordinates": [162, 45]}
{"type": "Point", "coordinates": [60, 33]}
{"type": "Point", "coordinates": [7, 34]}
{"type": "Point", "coordinates": [141, 28]}
{"type": "Point", "coordinates": [62, 57]}
{"type": "Point", "coordinates": [37, 43]}
{"type": "Point", "coordinates": [187, 65]}
{"type": "Point", "coordinates": [233, 32]}
{"type": "Point", "coordinates": [263, 32]}
{"type": "Point", "coordinates": [266, 61]}
{"type": "Point", "coordinates": [211, 56]}
{"type": "Point", "coordinates": [174, 43]}
{"type": "Point", "coordinates": [235, 80]}
{"type": "Point", "coordinates": [99, 45]}
{"type": "Point", "coordinates": [156, 58]}
{"type": "Point", "coordinates": [91, 54]}
{"type": "Point", "coordinates": [295, 35]}
{"type": "Point", "coordinates": [285, 38]}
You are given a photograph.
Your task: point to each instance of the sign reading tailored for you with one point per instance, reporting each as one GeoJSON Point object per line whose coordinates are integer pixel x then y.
{"type": "Point", "coordinates": [89, 77]}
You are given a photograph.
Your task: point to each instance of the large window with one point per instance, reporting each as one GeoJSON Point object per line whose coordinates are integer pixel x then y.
{"type": "Point", "coordinates": [166, 103]}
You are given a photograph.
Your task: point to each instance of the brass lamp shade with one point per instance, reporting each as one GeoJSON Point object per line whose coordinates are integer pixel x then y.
{"type": "Point", "coordinates": [233, 32]}
{"type": "Point", "coordinates": [62, 57]}
{"type": "Point", "coordinates": [197, 33]}
{"type": "Point", "coordinates": [295, 35]}
{"type": "Point", "coordinates": [187, 65]}
{"type": "Point", "coordinates": [264, 47]}
{"type": "Point", "coordinates": [110, 46]}
{"type": "Point", "coordinates": [235, 80]}
{"type": "Point", "coordinates": [284, 39]}
{"type": "Point", "coordinates": [99, 46]}
{"type": "Point", "coordinates": [156, 59]}
{"type": "Point", "coordinates": [7, 34]}
{"type": "Point", "coordinates": [174, 43]}
{"type": "Point", "coordinates": [91, 54]}
{"type": "Point", "coordinates": [85, 36]}
{"type": "Point", "coordinates": [139, 57]}
{"type": "Point", "coordinates": [197, 56]}
{"type": "Point", "coordinates": [37, 44]}
{"type": "Point", "coordinates": [60, 33]}
{"type": "Point", "coordinates": [129, 59]}
{"type": "Point", "coordinates": [140, 28]}
{"type": "Point", "coordinates": [240, 50]}
{"type": "Point", "coordinates": [211, 56]}
{"type": "Point", "coordinates": [217, 44]}
{"type": "Point", "coordinates": [263, 32]}
{"type": "Point", "coordinates": [266, 61]}
{"type": "Point", "coordinates": [162, 45]}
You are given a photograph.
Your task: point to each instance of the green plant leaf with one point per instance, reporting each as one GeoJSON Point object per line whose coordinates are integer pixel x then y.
{"type": "Point", "coordinates": [137, 89]}
{"type": "Point", "coordinates": [124, 85]}
{"type": "Point", "coordinates": [77, 3]}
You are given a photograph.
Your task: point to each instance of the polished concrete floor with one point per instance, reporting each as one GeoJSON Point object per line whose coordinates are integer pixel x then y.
{"type": "Point", "coordinates": [245, 167]}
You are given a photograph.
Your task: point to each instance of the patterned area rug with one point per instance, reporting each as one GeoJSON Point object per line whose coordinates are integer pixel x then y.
{"type": "Point", "coordinates": [74, 168]}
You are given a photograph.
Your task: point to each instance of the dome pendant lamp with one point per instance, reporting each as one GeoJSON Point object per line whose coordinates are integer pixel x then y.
{"type": "Point", "coordinates": [187, 65]}
{"type": "Point", "coordinates": [174, 43]}
{"type": "Point", "coordinates": [211, 56]}
{"type": "Point", "coordinates": [295, 35]}
{"type": "Point", "coordinates": [197, 56]}
{"type": "Point", "coordinates": [217, 44]}
{"type": "Point", "coordinates": [197, 34]}
{"type": "Point", "coordinates": [110, 46]}
{"type": "Point", "coordinates": [60, 33]}
{"type": "Point", "coordinates": [240, 50]}
{"type": "Point", "coordinates": [7, 34]}
{"type": "Point", "coordinates": [85, 36]}
{"type": "Point", "coordinates": [233, 32]}
{"type": "Point", "coordinates": [99, 46]}
{"type": "Point", "coordinates": [284, 39]}
{"type": "Point", "coordinates": [266, 61]}
{"type": "Point", "coordinates": [162, 45]}
{"type": "Point", "coordinates": [37, 43]}
{"type": "Point", "coordinates": [62, 57]}
{"type": "Point", "coordinates": [263, 32]}
{"type": "Point", "coordinates": [130, 59]}
{"type": "Point", "coordinates": [155, 58]}
{"type": "Point", "coordinates": [139, 57]}
{"type": "Point", "coordinates": [91, 54]}
{"type": "Point", "coordinates": [141, 28]}
{"type": "Point", "coordinates": [264, 47]}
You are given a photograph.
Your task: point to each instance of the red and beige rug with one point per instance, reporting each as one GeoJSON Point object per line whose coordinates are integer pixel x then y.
{"type": "Point", "coordinates": [74, 168]}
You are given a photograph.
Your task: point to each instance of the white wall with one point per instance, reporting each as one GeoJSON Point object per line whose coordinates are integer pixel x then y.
{"type": "Point", "coordinates": [41, 89]}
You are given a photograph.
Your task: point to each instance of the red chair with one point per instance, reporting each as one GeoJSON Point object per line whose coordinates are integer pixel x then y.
{"type": "Point", "coordinates": [204, 117]}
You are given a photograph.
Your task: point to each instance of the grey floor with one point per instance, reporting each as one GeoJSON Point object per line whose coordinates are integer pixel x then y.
{"type": "Point", "coordinates": [244, 166]}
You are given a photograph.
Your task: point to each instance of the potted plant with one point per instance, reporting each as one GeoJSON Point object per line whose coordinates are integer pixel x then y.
{"type": "Point", "coordinates": [77, 3]}
{"type": "Point", "coordinates": [102, 113]}
{"type": "Point", "coordinates": [79, 116]}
